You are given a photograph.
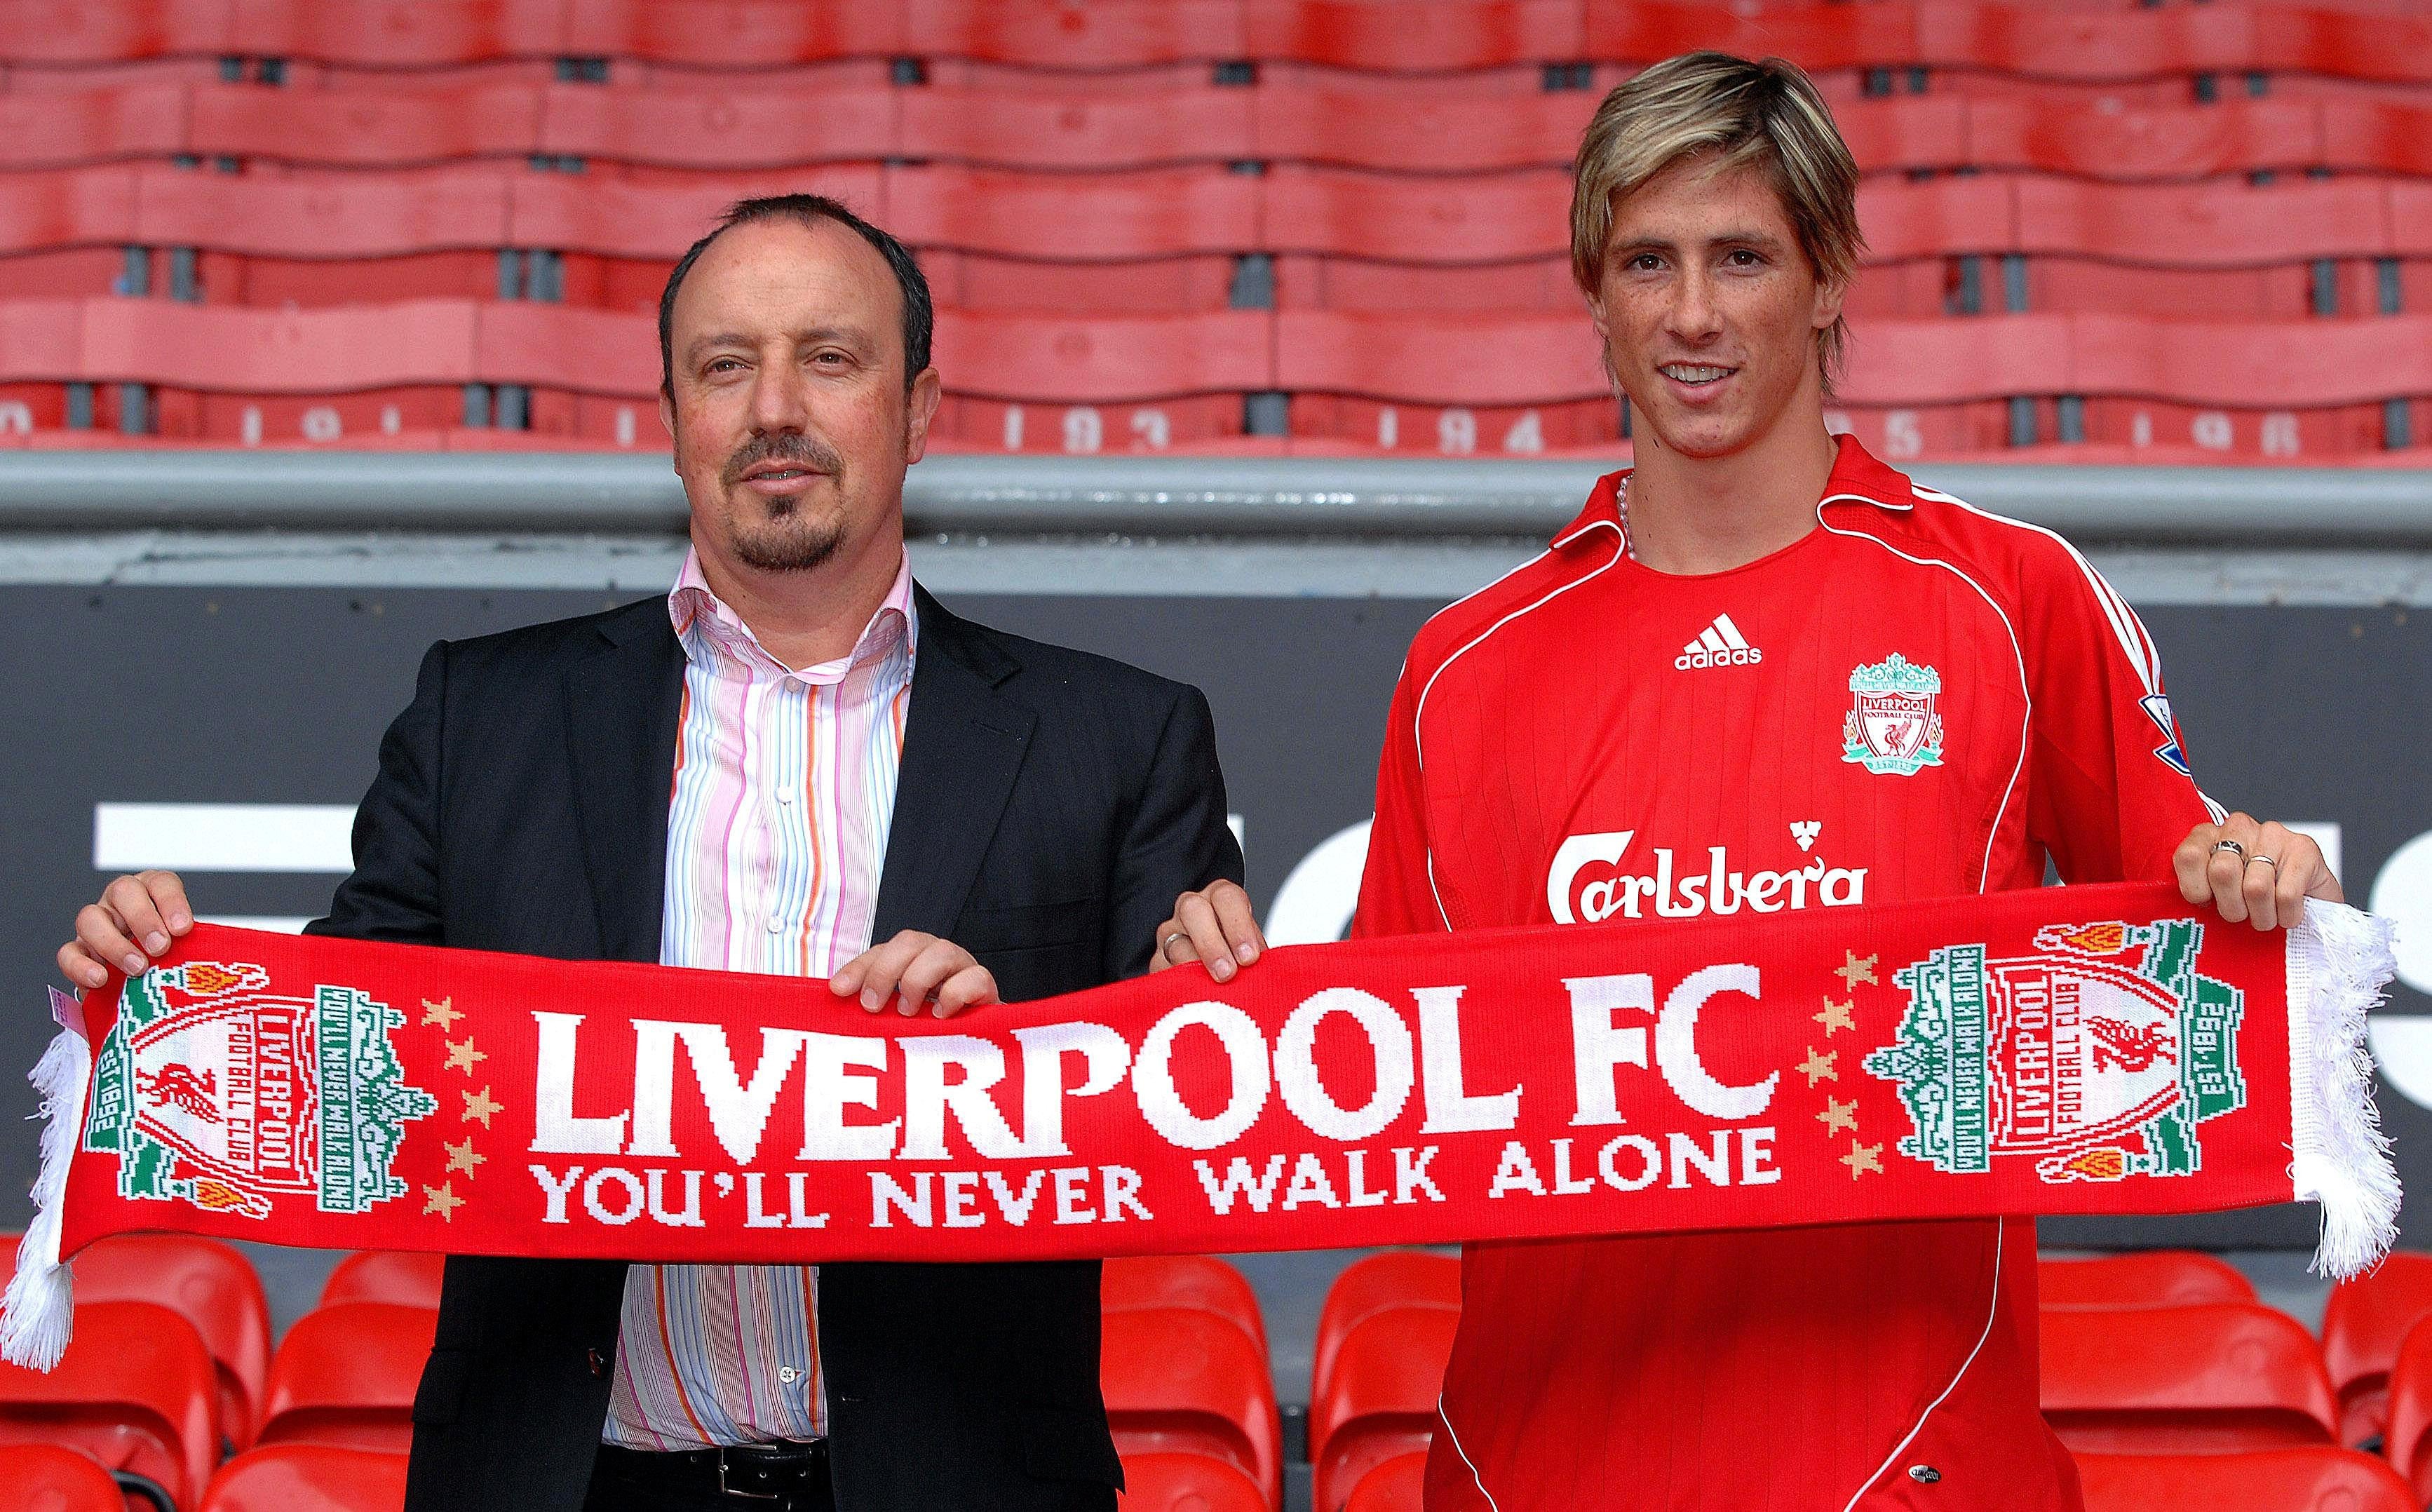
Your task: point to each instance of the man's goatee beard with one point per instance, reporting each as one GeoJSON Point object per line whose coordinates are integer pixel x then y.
{"type": "Point", "coordinates": [787, 545]}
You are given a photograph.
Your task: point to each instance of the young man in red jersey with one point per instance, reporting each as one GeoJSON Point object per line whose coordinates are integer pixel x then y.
{"type": "Point", "coordinates": [1762, 671]}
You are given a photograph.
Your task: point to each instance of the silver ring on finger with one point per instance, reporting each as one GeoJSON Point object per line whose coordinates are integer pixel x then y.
{"type": "Point", "coordinates": [1165, 947]}
{"type": "Point", "coordinates": [2230, 845]}
{"type": "Point", "coordinates": [2267, 860]}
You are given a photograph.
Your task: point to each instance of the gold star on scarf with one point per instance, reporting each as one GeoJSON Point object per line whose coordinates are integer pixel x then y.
{"type": "Point", "coordinates": [478, 1105]}
{"type": "Point", "coordinates": [1836, 1016]}
{"type": "Point", "coordinates": [1818, 1068]}
{"type": "Point", "coordinates": [461, 1056]}
{"type": "Point", "coordinates": [465, 1157]}
{"type": "Point", "coordinates": [1862, 1159]}
{"type": "Point", "coordinates": [441, 1200]}
{"type": "Point", "coordinates": [1852, 970]}
{"type": "Point", "coordinates": [443, 1012]}
{"type": "Point", "coordinates": [1836, 1116]}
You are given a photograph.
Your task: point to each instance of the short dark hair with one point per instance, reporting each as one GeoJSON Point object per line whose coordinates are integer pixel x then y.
{"type": "Point", "coordinates": [919, 315]}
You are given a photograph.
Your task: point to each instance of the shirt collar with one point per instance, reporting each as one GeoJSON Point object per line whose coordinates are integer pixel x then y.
{"type": "Point", "coordinates": [711, 632]}
{"type": "Point", "coordinates": [1857, 478]}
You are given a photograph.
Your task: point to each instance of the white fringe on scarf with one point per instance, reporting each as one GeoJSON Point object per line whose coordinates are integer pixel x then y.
{"type": "Point", "coordinates": [2339, 960]}
{"type": "Point", "coordinates": [40, 1299]}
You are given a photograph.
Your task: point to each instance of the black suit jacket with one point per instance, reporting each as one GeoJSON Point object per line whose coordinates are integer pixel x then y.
{"type": "Point", "coordinates": [1050, 806]}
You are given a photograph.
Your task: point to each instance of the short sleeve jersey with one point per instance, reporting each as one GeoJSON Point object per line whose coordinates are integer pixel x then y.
{"type": "Point", "coordinates": [1914, 700]}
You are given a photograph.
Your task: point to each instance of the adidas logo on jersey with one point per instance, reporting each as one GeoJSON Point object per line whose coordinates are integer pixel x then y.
{"type": "Point", "coordinates": [1719, 644]}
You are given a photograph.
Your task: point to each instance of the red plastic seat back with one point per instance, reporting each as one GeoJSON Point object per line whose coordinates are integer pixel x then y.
{"type": "Point", "coordinates": [1380, 1399]}
{"type": "Point", "coordinates": [136, 1391]}
{"type": "Point", "coordinates": [2318, 1479]}
{"type": "Point", "coordinates": [309, 1478]}
{"type": "Point", "coordinates": [210, 1285]}
{"type": "Point", "coordinates": [1396, 1278]}
{"type": "Point", "coordinates": [346, 1375]}
{"type": "Point", "coordinates": [2154, 1278]}
{"type": "Point", "coordinates": [49, 1478]}
{"type": "Point", "coordinates": [2407, 1442]}
{"type": "Point", "coordinates": [2361, 1329]}
{"type": "Point", "coordinates": [1156, 1481]}
{"type": "Point", "coordinates": [1200, 1282]}
{"type": "Point", "coordinates": [1398, 1485]}
{"type": "Point", "coordinates": [397, 1276]}
{"type": "Point", "coordinates": [2204, 1378]}
{"type": "Point", "coordinates": [1178, 1380]}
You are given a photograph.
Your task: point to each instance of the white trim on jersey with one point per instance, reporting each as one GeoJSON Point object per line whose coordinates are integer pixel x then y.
{"type": "Point", "coordinates": [1454, 1435]}
{"type": "Point", "coordinates": [1992, 1314]}
{"type": "Point", "coordinates": [2026, 725]}
{"type": "Point", "coordinates": [1419, 715]}
{"type": "Point", "coordinates": [2136, 641]}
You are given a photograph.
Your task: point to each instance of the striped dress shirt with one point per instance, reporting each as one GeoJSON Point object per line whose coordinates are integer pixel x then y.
{"type": "Point", "coordinates": [777, 821]}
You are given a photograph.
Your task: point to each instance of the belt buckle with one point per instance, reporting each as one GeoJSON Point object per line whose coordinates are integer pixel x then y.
{"type": "Point", "coordinates": [723, 1490]}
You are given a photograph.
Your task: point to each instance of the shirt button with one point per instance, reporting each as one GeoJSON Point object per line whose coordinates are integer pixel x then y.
{"type": "Point", "coordinates": [789, 1374]}
{"type": "Point", "coordinates": [786, 795]}
{"type": "Point", "coordinates": [776, 924]}
{"type": "Point", "coordinates": [1924, 1474]}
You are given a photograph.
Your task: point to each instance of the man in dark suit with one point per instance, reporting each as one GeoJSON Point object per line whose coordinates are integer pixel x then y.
{"type": "Point", "coordinates": [799, 763]}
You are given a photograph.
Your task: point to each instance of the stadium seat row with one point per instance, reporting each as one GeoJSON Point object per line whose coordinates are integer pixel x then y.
{"type": "Point", "coordinates": [1482, 360]}
{"type": "Point", "coordinates": [2145, 1356]}
{"type": "Point", "coordinates": [1433, 129]}
{"type": "Point", "coordinates": [1156, 214]}
{"type": "Point", "coordinates": [1410, 35]}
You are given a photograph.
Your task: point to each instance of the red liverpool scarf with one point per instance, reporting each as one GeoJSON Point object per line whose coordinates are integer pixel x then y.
{"type": "Point", "coordinates": [2070, 1050]}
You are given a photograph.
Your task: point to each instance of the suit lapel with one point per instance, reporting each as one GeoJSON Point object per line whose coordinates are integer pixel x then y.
{"type": "Point", "coordinates": [621, 702]}
{"type": "Point", "coordinates": [963, 745]}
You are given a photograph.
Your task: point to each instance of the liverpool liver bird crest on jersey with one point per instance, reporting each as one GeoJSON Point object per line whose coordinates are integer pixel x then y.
{"type": "Point", "coordinates": [214, 1090]}
{"type": "Point", "coordinates": [2097, 1056]}
{"type": "Point", "coordinates": [1892, 724]}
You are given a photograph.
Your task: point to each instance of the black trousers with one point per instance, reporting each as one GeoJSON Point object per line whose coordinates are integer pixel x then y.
{"type": "Point", "coordinates": [709, 1479]}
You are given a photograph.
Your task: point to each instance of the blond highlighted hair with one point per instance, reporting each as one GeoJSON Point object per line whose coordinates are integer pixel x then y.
{"type": "Point", "coordinates": [1765, 115]}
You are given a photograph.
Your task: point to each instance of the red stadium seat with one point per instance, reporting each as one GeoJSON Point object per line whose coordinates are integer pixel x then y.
{"type": "Point", "coordinates": [363, 126]}
{"type": "Point", "coordinates": [2378, 136]}
{"type": "Point", "coordinates": [1074, 218]}
{"type": "Point", "coordinates": [722, 129]}
{"type": "Point", "coordinates": [2273, 1480]}
{"type": "Point", "coordinates": [1497, 218]}
{"type": "Point", "coordinates": [734, 33]}
{"type": "Point", "coordinates": [1025, 129]}
{"type": "Point", "coordinates": [2407, 1439]}
{"type": "Point", "coordinates": [346, 1374]}
{"type": "Point", "coordinates": [403, 1277]}
{"type": "Point", "coordinates": [657, 219]}
{"type": "Point", "coordinates": [1479, 360]}
{"type": "Point", "coordinates": [1182, 1381]}
{"type": "Point", "coordinates": [1154, 1481]}
{"type": "Point", "coordinates": [2362, 1327]}
{"type": "Point", "coordinates": [1937, 217]}
{"type": "Point", "coordinates": [1398, 1485]}
{"type": "Point", "coordinates": [67, 208]}
{"type": "Point", "coordinates": [1930, 134]}
{"type": "Point", "coordinates": [2151, 1277]}
{"type": "Point", "coordinates": [309, 1478]}
{"type": "Point", "coordinates": [135, 1390]}
{"type": "Point", "coordinates": [2214, 225]}
{"type": "Point", "coordinates": [212, 1286]}
{"type": "Point", "coordinates": [2193, 141]}
{"type": "Point", "coordinates": [395, 33]}
{"type": "Point", "coordinates": [50, 1478]}
{"type": "Point", "coordinates": [1814, 36]}
{"type": "Point", "coordinates": [2200, 1379]}
{"type": "Point", "coordinates": [1199, 1282]}
{"type": "Point", "coordinates": [1058, 34]}
{"type": "Point", "coordinates": [66, 128]}
{"type": "Point", "coordinates": [1417, 129]}
{"type": "Point", "coordinates": [1379, 1398]}
{"type": "Point", "coordinates": [1418, 35]}
{"type": "Point", "coordinates": [1048, 360]}
{"type": "Point", "coordinates": [1377, 1284]}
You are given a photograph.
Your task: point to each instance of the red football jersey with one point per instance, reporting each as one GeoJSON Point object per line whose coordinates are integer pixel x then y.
{"type": "Point", "coordinates": [1916, 700]}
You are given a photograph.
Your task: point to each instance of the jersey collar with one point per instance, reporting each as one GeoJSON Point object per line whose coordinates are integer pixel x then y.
{"type": "Point", "coordinates": [1857, 478]}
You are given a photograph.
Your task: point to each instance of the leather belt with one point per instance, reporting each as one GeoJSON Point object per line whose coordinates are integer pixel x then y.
{"type": "Point", "coordinates": [785, 1471]}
